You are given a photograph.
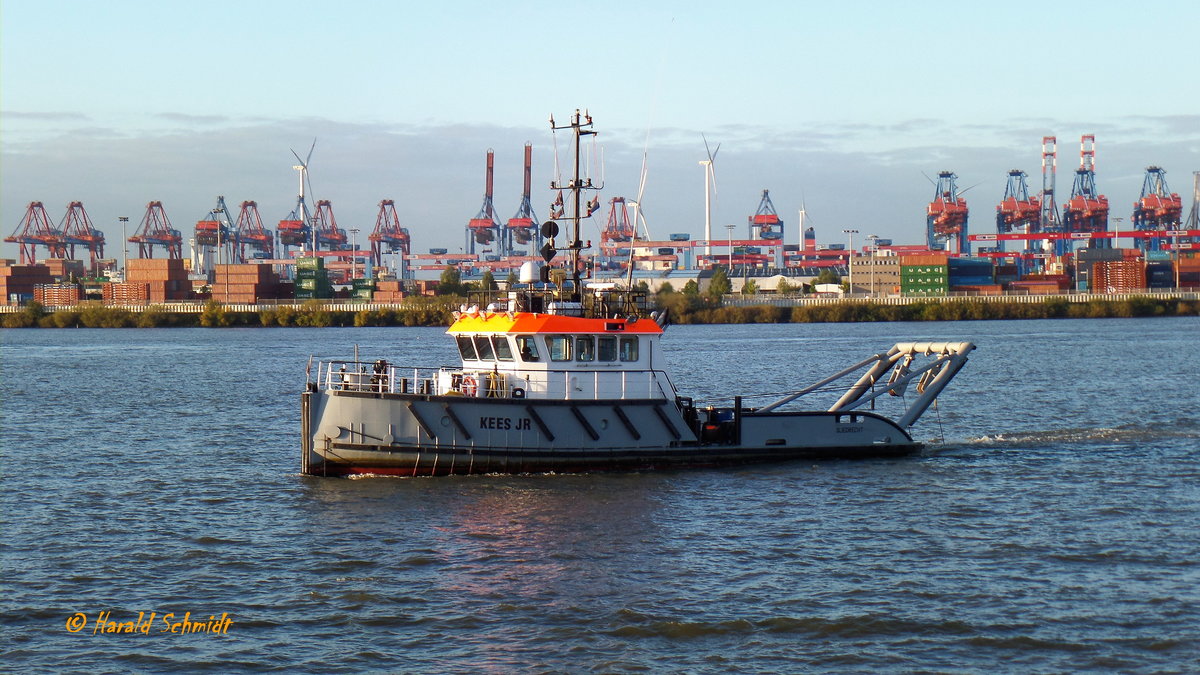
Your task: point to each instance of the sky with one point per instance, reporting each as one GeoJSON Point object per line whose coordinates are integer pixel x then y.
{"type": "Point", "coordinates": [843, 109]}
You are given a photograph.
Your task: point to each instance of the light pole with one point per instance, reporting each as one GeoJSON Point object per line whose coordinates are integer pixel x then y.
{"type": "Point", "coordinates": [850, 259]}
{"type": "Point", "coordinates": [354, 251]}
{"type": "Point", "coordinates": [874, 248]}
{"type": "Point", "coordinates": [730, 229]}
{"type": "Point", "coordinates": [124, 246]}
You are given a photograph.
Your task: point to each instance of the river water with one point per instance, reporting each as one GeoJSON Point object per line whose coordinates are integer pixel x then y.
{"type": "Point", "coordinates": [1053, 525]}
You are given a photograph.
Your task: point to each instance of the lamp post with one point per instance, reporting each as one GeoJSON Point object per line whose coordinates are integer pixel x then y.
{"type": "Point", "coordinates": [730, 229]}
{"type": "Point", "coordinates": [873, 249]}
{"type": "Point", "coordinates": [850, 259]}
{"type": "Point", "coordinates": [124, 246]}
{"type": "Point", "coordinates": [353, 251]}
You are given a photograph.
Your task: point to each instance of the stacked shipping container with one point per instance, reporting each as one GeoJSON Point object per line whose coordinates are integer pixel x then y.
{"type": "Point", "coordinates": [971, 275]}
{"type": "Point", "coordinates": [166, 278]}
{"type": "Point", "coordinates": [64, 269]}
{"type": "Point", "coordinates": [924, 274]}
{"type": "Point", "coordinates": [127, 293]}
{"type": "Point", "coordinates": [57, 295]}
{"type": "Point", "coordinates": [388, 291]}
{"type": "Point", "coordinates": [312, 280]}
{"type": "Point", "coordinates": [1189, 271]}
{"type": "Point", "coordinates": [244, 284]}
{"type": "Point", "coordinates": [1118, 276]}
{"type": "Point", "coordinates": [18, 281]}
{"type": "Point", "coordinates": [362, 289]}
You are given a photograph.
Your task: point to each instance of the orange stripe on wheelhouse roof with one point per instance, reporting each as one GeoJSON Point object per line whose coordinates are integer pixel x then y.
{"type": "Point", "coordinates": [527, 323]}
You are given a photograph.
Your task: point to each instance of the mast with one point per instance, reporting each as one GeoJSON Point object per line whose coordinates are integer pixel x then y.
{"type": "Point", "coordinates": [580, 126]}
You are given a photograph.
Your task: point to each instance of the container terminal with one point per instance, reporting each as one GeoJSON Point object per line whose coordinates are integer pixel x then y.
{"type": "Point", "coordinates": [1036, 246]}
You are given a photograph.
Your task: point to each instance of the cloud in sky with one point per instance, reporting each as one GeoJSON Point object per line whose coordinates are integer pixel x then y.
{"type": "Point", "coordinates": [846, 175]}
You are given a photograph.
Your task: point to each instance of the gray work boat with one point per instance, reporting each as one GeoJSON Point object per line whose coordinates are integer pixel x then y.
{"type": "Point", "coordinates": [559, 375]}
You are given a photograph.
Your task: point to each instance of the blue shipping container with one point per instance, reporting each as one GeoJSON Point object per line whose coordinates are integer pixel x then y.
{"type": "Point", "coordinates": [959, 280]}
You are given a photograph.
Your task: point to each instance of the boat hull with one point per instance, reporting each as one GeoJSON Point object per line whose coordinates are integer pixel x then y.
{"type": "Point", "coordinates": [352, 432]}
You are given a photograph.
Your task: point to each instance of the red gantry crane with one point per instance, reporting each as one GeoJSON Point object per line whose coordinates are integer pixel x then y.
{"type": "Point", "coordinates": [1086, 210]}
{"type": "Point", "coordinates": [523, 227]}
{"type": "Point", "coordinates": [156, 230]}
{"type": "Point", "coordinates": [485, 228]}
{"type": "Point", "coordinates": [617, 236]}
{"type": "Point", "coordinates": [389, 237]}
{"type": "Point", "coordinates": [619, 228]}
{"type": "Point", "coordinates": [327, 231]}
{"type": "Point", "coordinates": [250, 234]}
{"type": "Point", "coordinates": [766, 220]}
{"type": "Point", "coordinates": [1017, 212]}
{"type": "Point", "coordinates": [78, 230]}
{"type": "Point", "coordinates": [1157, 209]}
{"type": "Point", "coordinates": [35, 230]}
{"type": "Point", "coordinates": [947, 216]}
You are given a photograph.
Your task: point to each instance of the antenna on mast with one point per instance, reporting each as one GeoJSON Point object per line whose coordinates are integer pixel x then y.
{"type": "Point", "coordinates": [580, 125]}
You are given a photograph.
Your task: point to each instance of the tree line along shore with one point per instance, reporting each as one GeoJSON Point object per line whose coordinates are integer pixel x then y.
{"type": "Point", "coordinates": [682, 308]}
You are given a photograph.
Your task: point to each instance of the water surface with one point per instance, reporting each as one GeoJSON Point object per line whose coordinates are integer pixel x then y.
{"type": "Point", "coordinates": [1052, 526]}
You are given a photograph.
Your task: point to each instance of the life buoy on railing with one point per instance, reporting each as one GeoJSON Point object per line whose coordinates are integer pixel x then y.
{"type": "Point", "coordinates": [518, 392]}
{"type": "Point", "coordinates": [469, 386]}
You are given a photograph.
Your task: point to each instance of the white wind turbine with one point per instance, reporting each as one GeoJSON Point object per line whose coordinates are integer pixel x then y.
{"type": "Point", "coordinates": [638, 216]}
{"type": "Point", "coordinates": [301, 205]}
{"type": "Point", "coordinates": [710, 191]}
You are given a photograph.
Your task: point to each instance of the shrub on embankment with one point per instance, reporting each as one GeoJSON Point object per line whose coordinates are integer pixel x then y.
{"type": "Point", "coordinates": [700, 312]}
{"type": "Point", "coordinates": [419, 312]}
{"type": "Point", "coordinates": [684, 309]}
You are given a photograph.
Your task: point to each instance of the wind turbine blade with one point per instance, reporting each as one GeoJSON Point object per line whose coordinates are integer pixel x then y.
{"type": "Point", "coordinates": [706, 150]}
{"type": "Point", "coordinates": [931, 181]}
{"type": "Point", "coordinates": [713, 156]}
{"type": "Point", "coordinates": [642, 181]}
{"type": "Point", "coordinates": [310, 152]}
{"type": "Point", "coordinates": [297, 157]}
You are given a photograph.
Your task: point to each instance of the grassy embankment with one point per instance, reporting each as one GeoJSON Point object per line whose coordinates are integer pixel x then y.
{"type": "Point", "coordinates": [684, 309]}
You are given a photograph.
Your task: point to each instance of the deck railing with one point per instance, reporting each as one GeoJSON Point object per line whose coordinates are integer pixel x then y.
{"type": "Point", "coordinates": [520, 383]}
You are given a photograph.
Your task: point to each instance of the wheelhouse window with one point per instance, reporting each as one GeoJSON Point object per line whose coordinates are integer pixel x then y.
{"type": "Point", "coordinates": [527, 348]}
{"type": "Point", "coordinates": [585, 348]}
{"type": "Point", "coordinates": [501, 347]}
{"type": "Point", "coordinates": [484, 346]}
{"type": "Point", "coordinates": [560, 347]}
{"type": "Point", "coordinates": [466, 348]}
{"type": "Point", "coordinates": [629, 349]}
{"type": "Point", "coordinates": [606, 348]}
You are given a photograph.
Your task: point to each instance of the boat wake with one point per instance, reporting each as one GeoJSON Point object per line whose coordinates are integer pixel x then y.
{"type": "Point", "coordinates": [1139, 435]}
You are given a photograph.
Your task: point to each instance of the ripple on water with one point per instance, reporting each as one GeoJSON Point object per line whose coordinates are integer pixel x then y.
{"type": "Point", "coordinates": [1052, 533]}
